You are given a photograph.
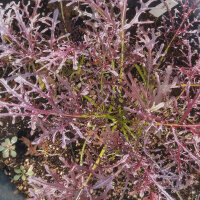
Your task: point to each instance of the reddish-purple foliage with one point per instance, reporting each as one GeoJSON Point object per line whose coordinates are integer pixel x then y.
{"type": "Point", "coordinates": [24, 39]}
{"type": "Point", "coordinates": [146, 119]}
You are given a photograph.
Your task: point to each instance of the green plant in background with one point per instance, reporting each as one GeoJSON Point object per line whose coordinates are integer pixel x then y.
{"type": "Point", "coordinates": [8, 148]}
{"type": "Point", "coordinates": [23, 173]}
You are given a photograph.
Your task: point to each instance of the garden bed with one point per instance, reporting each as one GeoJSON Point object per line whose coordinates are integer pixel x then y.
{"type": "Point", "coordinates": [103, 105]}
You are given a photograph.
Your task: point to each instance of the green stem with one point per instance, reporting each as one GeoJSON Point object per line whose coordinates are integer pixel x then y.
{"type": "Point", "coordinates": [82, 153]}
{"type": "Point", "coordinates": [122, 43]}
{"type": "Point", "coordinates": [93, 168]}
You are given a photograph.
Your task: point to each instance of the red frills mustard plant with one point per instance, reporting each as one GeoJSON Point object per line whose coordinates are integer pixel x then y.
{"type": "Point", "coordinates": [130, 99]}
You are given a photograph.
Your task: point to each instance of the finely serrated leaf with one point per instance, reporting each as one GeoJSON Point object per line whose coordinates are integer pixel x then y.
{"type": "Point", "coordinates": [105, 181]}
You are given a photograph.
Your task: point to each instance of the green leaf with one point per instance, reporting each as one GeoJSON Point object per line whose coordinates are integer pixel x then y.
{"type": "Point", "coordinates": [12, 148]}
{"type": "Point", "coordinates": [13, 154]}
{"type": "Point", "coordinates": [23, 177]}
{"type": "Point", "coordinates": [41, 83]}
{"type": "Point", "coordinates": [7, 141]}
{"type": "Point", "coordinates": [1, 148]}
{"type": "Point", "coordinates": [141, 73]}
{"type": "Point", "coordinates": [29, 173]}
{"type": "Point", "coordinates": [22, 168]}
{"type": "Point", "coordinates": [7, 39]}
{"type": "Point", "coordinates": [18, 171]}
{"type": "Point", "coordinates": [81, 61]}
{"type": "Point", "coordinates": [16, 177]}
{"type": "Point", "coordinates": [3, 144]}
{"type": "Point", "coordinates": [14, 139]}
{"type": "Point", "coordinates": [5, 153]}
